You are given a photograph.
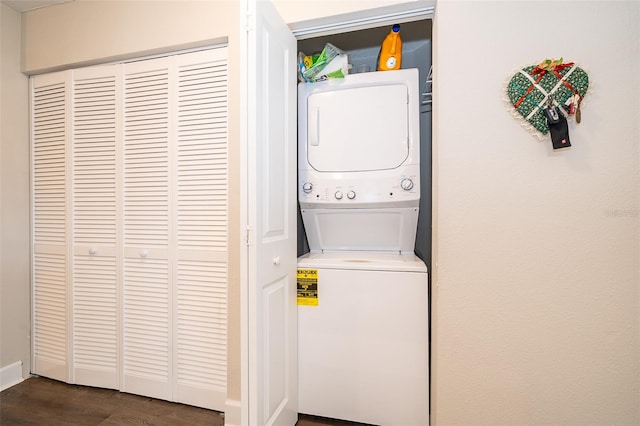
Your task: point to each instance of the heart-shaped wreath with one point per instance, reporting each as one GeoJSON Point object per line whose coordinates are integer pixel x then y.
{"type": "Point", "coordinates": [534, 87]}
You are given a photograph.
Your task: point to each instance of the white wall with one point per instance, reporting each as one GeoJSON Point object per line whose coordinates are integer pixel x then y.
{"type": "Point", "coordinates": [537, 281]}
{"type": "Point", "coordinates": [14, 198]}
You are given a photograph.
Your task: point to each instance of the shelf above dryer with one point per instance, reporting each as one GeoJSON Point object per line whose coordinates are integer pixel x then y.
{"type": "Point", "coordinates": [426, 95]}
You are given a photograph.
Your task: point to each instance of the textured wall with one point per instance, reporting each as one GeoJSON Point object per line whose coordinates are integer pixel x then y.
{"type": "Point", "coordinates": [536, 299]}
{"type": "Point", "coordinates": [14, 198]}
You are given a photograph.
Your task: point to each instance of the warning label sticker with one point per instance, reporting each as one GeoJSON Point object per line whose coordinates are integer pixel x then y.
{"type": "Point", "coordinates": [307, 287]}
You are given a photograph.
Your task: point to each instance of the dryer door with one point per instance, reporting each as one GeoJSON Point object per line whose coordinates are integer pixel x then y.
{"type": "Point", "coordinates": [358, 129]}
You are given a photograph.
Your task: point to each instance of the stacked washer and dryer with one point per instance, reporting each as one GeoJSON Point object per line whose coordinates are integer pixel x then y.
{"type": "Point", "coordinates": [363, 349]}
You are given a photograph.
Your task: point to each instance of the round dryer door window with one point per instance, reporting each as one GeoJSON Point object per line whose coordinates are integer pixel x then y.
{"type": "Point", "coordinates": [358, 129]}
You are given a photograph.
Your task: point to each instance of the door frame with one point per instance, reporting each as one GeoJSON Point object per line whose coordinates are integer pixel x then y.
{"type": "Point", "coordinates": [358, 20]}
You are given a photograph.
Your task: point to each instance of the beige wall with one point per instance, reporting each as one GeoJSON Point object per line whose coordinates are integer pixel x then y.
{"type": "Point", "coordinates": [14, 198]}
{"type": "Point", "coordinates": [536, 299]}
{"type": "Point", "coordinates": [89, 31]}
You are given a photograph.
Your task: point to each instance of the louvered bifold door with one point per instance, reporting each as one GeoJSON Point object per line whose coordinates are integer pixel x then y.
{"type": "Point", "coordinates": [95, 263]}
{"type": "Point", "coordinates": [51, 280]}
{"type": "Point", "coordinates": [201, 229]}
{"type": "Point", "coordinates": [130, 227]}
{"type": "Point", "coordinates": [147, 296]}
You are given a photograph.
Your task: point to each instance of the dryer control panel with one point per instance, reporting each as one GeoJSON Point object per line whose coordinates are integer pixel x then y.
{"type": "Point", "coordinates": [322, 191]}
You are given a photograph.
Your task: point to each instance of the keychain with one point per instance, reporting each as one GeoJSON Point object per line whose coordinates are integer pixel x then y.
{"type": "Point", "coordinates": [573, 104]}
{"type": "Point", "coordinates": [558, 126]}
{"type": "Point", "coordinates": [551, 112]}
{"type": "Point", "coordinates": [576, 102]}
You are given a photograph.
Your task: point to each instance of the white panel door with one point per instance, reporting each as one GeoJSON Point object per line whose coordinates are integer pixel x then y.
{"type": "Point", "coordinates": [95, 264]}
{"type": "Point", "coordinates": [50, 103]}
{"type": "Point", "coordinates": [271, 155]}
{"type": "Point", "coordinates": [147, 296]}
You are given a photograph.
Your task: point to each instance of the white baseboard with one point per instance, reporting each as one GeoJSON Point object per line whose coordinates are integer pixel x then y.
{"type": "Point", "coordinates": [232, 413]}
{"type": "Point", "coordinates": [10, 375]}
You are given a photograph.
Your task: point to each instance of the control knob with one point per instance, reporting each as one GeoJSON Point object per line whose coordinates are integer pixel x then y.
{"type": "Point", "coordinates": [338, 195]}
{"type": "Point", "coordinates": [351, 195]}
{"type": "Point", "coordinates": [307, 187]}
{"type": "Point", "coordinates": [406, 184]}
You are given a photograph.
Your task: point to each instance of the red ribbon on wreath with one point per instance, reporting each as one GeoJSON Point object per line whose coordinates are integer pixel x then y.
{"type": "Point", "coordinates": [550, 66]}
{"type": "Point", "coordinates": [541, 70]}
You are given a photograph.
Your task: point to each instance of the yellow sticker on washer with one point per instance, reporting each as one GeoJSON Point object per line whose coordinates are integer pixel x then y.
{"type": "Point", "coordinates": [307, 287]}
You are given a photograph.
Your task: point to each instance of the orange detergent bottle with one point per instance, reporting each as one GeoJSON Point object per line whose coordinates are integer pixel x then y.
{"type": "Point", "coordinates": [390, 57]}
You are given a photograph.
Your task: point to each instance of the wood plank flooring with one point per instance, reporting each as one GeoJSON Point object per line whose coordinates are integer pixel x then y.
{"type": "Point", "coordinates": [44, 402]}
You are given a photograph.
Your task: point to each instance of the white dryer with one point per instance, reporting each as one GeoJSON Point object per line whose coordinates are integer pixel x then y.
{"type": "Point", "coordinates": [359, 161]}
{"type": "Point", "coordinates": [363, 329]}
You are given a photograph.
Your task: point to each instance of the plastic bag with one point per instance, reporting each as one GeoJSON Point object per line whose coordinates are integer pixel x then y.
{"type": "Point", "coordinates": [330, 63]}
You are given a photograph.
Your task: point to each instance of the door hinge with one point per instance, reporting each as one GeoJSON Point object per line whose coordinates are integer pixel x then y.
{"type": "Point", "coordinates": [248, 22]}
{"type": "Point", "coordinates": [248, 236]}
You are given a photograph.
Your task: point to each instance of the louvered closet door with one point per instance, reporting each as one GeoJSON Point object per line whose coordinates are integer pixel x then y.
{"type": "Point", "coordinates": [200, 186]}
{"type": "Point", "coordinates": [130, 227]}
{"type": "Point", "coordinates": [51, 283]}
{"type": "Point", "coordinates": [147, 298]}
{"type": "Point", "coordinates": [95, 264]}
{"type": "Point", "coordinates": [175, 228]}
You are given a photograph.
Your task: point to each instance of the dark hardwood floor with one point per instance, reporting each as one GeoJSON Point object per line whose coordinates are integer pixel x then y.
{"type": "Point", "coordinates": [44, 402]}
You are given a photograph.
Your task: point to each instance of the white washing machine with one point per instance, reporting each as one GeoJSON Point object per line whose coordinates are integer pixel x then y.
{"type": "Point", "coordinates": [363, 294]}
{"type": "Point", "coordinates": [363, 351]}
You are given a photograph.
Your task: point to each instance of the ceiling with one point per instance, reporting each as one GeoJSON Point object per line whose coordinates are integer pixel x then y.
{"type": "Point", "coordinates": [25, 5]}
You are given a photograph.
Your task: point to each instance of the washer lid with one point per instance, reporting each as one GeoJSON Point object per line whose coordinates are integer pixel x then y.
{"type": "Point", "coordinates": [362, 260]}
{"type": "Point", "coordinates": [358, 128]}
